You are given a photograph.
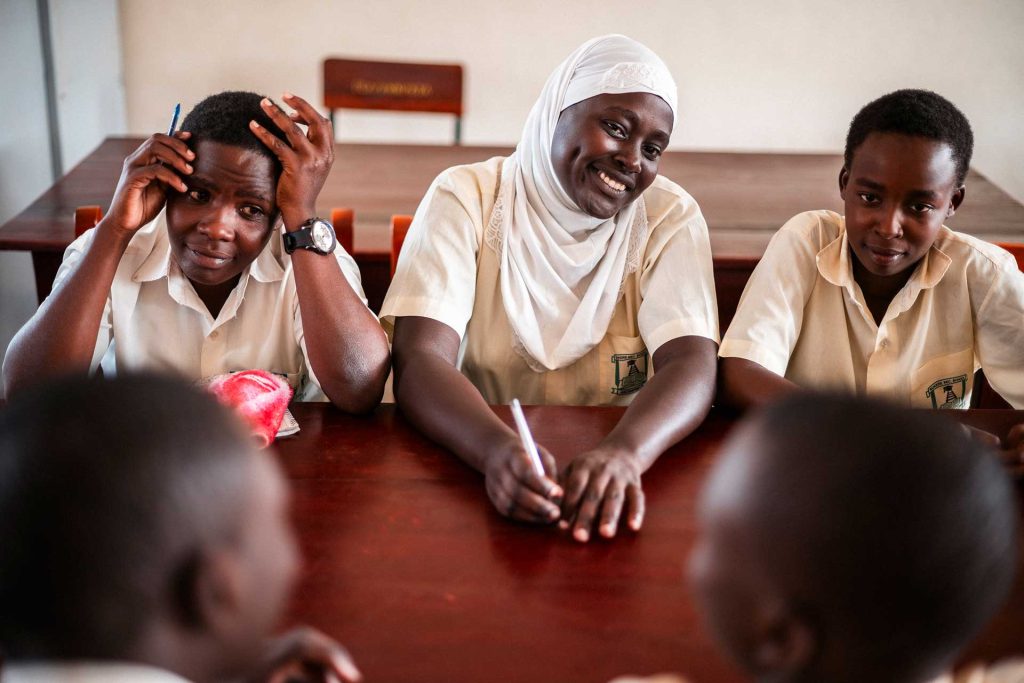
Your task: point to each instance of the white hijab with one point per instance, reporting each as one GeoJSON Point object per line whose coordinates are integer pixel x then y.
{"type": "Point", "coordinates": [562, 270]}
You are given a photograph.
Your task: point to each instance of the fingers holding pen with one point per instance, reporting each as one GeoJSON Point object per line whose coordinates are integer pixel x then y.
{"type": "Point", "coordinates": [166, 149]}
{"type": "Point", "coordinates": [518, 490]}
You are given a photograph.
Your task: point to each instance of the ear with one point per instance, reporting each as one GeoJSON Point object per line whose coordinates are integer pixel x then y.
{"type": "Point", "coordinates": [844, 179]}
{"type": "Point", "coordinates": [956, 200]}
{"type": "Point", "coordinates": [209, 590]}
{"type": "Point", "coordinates": [785, 642]}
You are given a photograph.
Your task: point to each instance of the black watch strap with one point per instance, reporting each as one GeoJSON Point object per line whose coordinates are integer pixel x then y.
{"type": "Point", "coordinates": [299, 239]}
{"type": "Point", "coordinates": [316, 234]}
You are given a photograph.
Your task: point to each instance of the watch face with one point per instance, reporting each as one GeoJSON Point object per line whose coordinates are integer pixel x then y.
{"type": "Point", "coordinates": [322, 236]}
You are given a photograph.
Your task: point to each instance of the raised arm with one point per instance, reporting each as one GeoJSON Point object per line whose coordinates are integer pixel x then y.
{"type": "Point", "coordinates": [348, 349]}
{"type": "Point", "coordinates": [61, 337]}
{"type": "Point", "coordinates": [443, 404]}
{"type": "Point", "coordinates": [602, 483]}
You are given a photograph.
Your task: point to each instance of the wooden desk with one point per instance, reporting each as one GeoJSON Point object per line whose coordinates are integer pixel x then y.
{"type": "Point", "coordinates": [745, 198]}
{"type": "Point", "coordinates": [410, 567]}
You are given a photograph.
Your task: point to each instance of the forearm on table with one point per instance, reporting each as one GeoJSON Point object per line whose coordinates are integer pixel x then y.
{"type": "Point", "coordinates": [61, 336]}
{"type": "Point", "coordinates": [672, 404]}
{"type": "Point", "coordinates": [348, 349]}
{"type": "Point", "coordinates": [746, 384]}
{"type": "Point", "coordinates": [445, 406]}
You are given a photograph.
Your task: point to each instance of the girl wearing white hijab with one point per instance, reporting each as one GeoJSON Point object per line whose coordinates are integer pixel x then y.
{"type": "Point", "coordinates": [555, 276]}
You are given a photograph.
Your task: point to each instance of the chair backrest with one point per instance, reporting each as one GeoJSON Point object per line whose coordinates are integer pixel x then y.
{"type": "Point", "coordinates": [343, 220]}
{"type": "Point", "coordinates": [399, 229]}
{"type": "Point", "coordinates": [1016, 249]}
{"type": "Point", "coordinates": [87, 217]}
{"type": "Point", "coordinates": [394, 86]}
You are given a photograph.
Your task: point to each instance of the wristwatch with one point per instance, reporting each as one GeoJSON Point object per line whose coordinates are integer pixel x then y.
{"type": "Point", "coordinates": [316, 234]}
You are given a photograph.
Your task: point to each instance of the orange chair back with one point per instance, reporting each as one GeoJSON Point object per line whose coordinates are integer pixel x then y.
{"type": "Point", "coordinates": [87, 217]}
{"type": "Point", "coordinates": [394, 86]}
{"type": "Point", "coordinates": [1016, 249]}
{"type": "Point", "coordinates": [399, 229]}
{"type": "Point", "coordinates": [343, 220]}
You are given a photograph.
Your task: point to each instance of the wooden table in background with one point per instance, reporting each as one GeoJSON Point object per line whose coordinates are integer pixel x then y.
{"type": "Point", "coordinates": [744, 197]}
{"type": "Point", "coordinates": [411, 568]}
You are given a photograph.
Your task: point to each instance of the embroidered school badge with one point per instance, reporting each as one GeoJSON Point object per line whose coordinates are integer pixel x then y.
{"type": "Point", "coordinates": [948, 392]}
{"type": "Point", "coordinates": [630, 371]}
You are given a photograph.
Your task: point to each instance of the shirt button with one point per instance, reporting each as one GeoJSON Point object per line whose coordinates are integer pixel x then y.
{"type": "Point", "coordinates": [884, 344]}
{"type": "Point", "coordinates": [214, 334]}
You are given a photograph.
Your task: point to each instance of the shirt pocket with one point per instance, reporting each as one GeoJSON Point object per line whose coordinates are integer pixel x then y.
{"type": "Point", "coordinates": [945, 381]}
{"type": "Point", "coordinates": [624, 364]}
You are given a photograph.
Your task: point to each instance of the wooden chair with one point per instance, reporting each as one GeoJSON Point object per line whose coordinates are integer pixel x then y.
{"type": "Point", "coordinates": [87, 217]}
{"type": "Point", "coordinates": [394, 86]}
{"type": "Point", "coordinates": [984, 396]}
{"type": "Point", "coordinates": [399, 229]}
{"type": "Point", "coordinates": [343, 220]}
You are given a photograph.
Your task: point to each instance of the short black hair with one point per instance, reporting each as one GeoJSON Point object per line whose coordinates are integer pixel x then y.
{"type": "Point", "coordinates": [107, 490]}
{"type": "Point", "coordinates": [917, 113]}
{"type": "Point", "coordinates": [883, 521]}
{"type": "Point", "coordinates": [225, 118]}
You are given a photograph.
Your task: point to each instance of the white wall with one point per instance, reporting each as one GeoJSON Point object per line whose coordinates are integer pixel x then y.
{"type": "Point", "coordinates": [779, 75]}
{"type": "Point", "coordinates": [24, 151]}
{"type": "Point", "coordinates": [87, 70]}
{"type": "Point", "coordinates": [86, 44]}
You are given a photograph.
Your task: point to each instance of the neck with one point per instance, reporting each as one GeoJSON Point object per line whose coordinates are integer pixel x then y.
{"type": "Point", "coordinates": [189, 655]}
{"type": "Point", "coordinates": [878, 290]}
{"type": "Point", "coordinates": [214, 296]}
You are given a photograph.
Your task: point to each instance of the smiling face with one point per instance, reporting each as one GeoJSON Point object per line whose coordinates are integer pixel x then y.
{"type": "Point", "coordinates": [227, 216]}
{"type": "Point", "coordinates": [606, 149]}
{"type": "Point", "coordinates": [897, 192]}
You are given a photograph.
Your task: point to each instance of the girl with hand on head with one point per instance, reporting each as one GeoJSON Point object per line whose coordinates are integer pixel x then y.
{"type": "Point", "coordinates": [565, 273]}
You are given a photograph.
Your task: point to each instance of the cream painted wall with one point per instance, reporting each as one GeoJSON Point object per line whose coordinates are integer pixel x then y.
{"type": "Point", "coordinates": [779, 75]}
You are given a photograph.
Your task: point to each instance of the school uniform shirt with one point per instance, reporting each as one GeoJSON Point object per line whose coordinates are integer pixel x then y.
{"type": "Point", "coordinates": [447, 272]}
{"type": "Point", "coordinates": [85, 672]}
{"type": "Point", "coordinates": [154, 320]}
{"type": "Point", "coordinates": [803, 316]}
{"type": "Point", "coordinates": [1004, 671]}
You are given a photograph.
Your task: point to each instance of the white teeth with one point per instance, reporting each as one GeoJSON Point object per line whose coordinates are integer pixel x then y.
{"type": "Point", "coordinates": [618, 187]}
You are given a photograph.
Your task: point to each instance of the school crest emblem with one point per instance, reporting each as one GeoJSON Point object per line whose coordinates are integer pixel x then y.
{"type": "Point", "coordinates": [948, 392]}
{"type": "Point", "coordinates": [630, 371]}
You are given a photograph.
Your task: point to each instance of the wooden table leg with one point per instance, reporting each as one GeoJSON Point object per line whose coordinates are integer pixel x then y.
{"type": "Point", "coordinates": [45, 265]}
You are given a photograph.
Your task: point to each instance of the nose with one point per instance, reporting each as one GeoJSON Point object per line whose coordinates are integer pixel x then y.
{"type": "Point", "coordinates": [890, 224]}
{"type": "Point", "coordinates": [629, 157]}
{"type": "Point", "coordinates": [218, 225]}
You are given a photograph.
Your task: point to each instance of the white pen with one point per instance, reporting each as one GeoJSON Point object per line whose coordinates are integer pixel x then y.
{"type": "Point", "coordinates": [526, 437]}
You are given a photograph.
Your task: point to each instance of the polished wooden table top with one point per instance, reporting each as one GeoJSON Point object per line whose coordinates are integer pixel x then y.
{"type": "Point", "coordinates": [410, 567]}
{"type": "Point", "coordinates": [744, 197]}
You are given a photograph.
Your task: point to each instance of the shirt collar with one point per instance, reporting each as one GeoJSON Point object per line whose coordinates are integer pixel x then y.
{"type": "Point", "coordinates": [86, 672]}
{"type": "Point", "coordinates": [835, 266]}
{"type": "Point", "coordinates": [269, 265]}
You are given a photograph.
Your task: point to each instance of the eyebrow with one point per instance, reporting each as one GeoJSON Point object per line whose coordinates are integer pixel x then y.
{"type": "Point", "coordinates": [245, 192]}
{"type": "Point", "coordinates": [872, 185]}
{"type": "Point", "coordinates": [253, 194]}
{"type": "Point", "coordinates": [634, 119]}
{"type": "Point", "coordinates": [628, 113]}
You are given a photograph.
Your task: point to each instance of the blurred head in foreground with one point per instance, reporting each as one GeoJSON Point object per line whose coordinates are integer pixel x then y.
{"type": "Point", "coordinates": [138, 522]}
{"type": "Point", "coordinates": [849, 540]}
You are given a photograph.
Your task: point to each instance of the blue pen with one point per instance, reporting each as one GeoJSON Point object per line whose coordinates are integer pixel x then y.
{"type": "Point", "coordinates": [174, 119]}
